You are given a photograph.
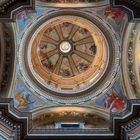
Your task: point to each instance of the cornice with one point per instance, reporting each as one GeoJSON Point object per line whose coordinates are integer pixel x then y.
{"type": "Point", "coordinates": [9, 8]}
{"type": "Point", "coordinates": [130, 6]}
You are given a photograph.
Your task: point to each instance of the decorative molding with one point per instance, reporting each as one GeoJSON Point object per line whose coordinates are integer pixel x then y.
{"type": "Point", "coordinates": [130, 6]}
{"type": "Point", "coordinates": [9, 8]}
{"type": "Point", "coordinates": [121, 123]}
{"type": "Point", "coordinates": [8, 54]}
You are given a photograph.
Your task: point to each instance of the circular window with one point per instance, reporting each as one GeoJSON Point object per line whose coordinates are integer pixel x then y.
{"type": "Point", "coordinates": [65, 47]}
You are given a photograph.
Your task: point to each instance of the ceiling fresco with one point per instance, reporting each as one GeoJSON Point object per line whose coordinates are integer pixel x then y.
{"type": "Point", "coordinates": [24, 99]}
{"type": "Point", "coordinates": [46, 51]}
{"type": "Point", "coordinates": [70, 46]}
{"type": "Point", "coordinates": [47, 120]}
{"type": "Point", "coordinates": [114, 101]}
{"type": "Point", "coordinates": [76, 58]}
{"type": "Point", "coordinates": [69, 71]}
{"type": "Point", "coordinates": [49, 61]}
{"type": "Point", "coordinates": [117, 18]}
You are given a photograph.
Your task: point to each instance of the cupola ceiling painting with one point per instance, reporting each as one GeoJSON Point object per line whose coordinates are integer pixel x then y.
{"type": "Point", "coordinates": [69, 68]}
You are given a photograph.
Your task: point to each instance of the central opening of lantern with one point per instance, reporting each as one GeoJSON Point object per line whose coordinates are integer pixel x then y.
{"type": "Point", "coordinates": [65, 47]}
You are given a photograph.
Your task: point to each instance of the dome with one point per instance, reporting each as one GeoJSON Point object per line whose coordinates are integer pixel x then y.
{"type": "Point", "coordinates": [68, 57]}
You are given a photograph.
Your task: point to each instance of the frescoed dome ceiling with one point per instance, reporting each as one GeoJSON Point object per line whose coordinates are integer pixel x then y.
{"type": "Point", "coordinates": [67, 54]}
{"type": "Point", "coordinates": [69, 63]}
{"type": "Point", "coordinates": [50, 52]}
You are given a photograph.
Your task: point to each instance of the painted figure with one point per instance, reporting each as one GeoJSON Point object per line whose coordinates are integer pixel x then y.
{"type": "Point", "coordinates": [66, 24]}
{"type": "Point", "coordinates": [42, 46]}
{"type": "Point", "coordinates": [65, 72]}
{"type": "Point", "coordinates": [114, 14]}
{"type": "Point", "coordinates": [83, 66]}
{"type": "Point", "coordinates": [114, 103]}
{"type": "Point", "coordinates": [48, 31]}
{"type": "Point", "coordinates": [48, 64]}
{"type": "Point", "coordinates": [23, 100]}
{"type": "Point", "coordinates": [93, 49]}
{"type": "Point", "coordinates": [83, 31]}
{"type": "Point", "coordinates": [25, 14]}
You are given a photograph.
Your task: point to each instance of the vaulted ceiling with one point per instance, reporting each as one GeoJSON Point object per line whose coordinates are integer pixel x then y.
{"type": "Point", "coordinates": [64, 61]}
